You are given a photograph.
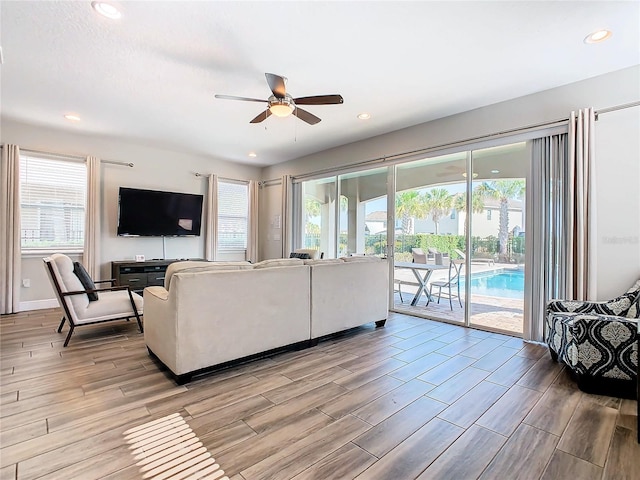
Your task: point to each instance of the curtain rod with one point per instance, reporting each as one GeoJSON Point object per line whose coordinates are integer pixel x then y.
{"type": "Point", "coordinates": [616, 108]}
{"type": "Point", "coordinates": [398, 156]}
{"type": "Point", "coordinates": [267, 183]}
{"type": "Point", "coordinates": [230, 180]}
{"type": "Point", "coordinates": [71, 157]}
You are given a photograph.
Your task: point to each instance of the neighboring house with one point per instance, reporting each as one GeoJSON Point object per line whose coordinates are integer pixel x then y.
{"type": "Point", "coordinates": [483, 224]}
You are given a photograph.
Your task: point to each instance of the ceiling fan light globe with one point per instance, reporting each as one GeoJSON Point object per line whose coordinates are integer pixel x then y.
{"type": "Point", "coordinates": [281, 110]}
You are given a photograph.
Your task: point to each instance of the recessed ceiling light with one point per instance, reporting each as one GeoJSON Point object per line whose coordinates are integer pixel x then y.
{"type": "Point", "coordinates": [364, 116]}
{"type": "Point", "coordinates": [495, 171]}
{"type": "Point", "coordinates": [106, 10]}
{"type": "Point", "coordinates": [596, 37]}
{"type": "Point", "coordinates": [73, 118]}
{"type": "Point", "coordinates": [253, 155]}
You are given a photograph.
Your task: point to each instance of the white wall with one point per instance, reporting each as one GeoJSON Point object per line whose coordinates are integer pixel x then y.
{"type": "Point", "coordinates": [618, 201]}
{"type": "Point", "coordinates": [616, 148]}
{"type": "Point", "coordinates": [155, 168]}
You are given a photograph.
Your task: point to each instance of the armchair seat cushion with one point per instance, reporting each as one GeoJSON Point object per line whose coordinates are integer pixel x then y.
{"type": "Point", "coordinates": [111, 305]}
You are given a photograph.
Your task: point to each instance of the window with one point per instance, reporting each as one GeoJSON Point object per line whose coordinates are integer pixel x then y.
{"type": "Point", "coordinates": [233, 213]}
{"type": "Point", "coordinates": [488, 214]}
{"type": "Point", "coordinates": [53, 194]}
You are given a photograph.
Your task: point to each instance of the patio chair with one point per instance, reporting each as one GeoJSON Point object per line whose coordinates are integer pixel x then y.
{"type": "Point", "coordinates": [83, 305]}
{"type": "Point", "coordinates": [597, 341]}
{"type": "Point", "coordinates": [418, 255]}
{"type": "Point", "coordinates": [451, 284]}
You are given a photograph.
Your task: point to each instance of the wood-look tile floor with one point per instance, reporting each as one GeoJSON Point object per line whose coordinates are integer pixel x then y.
{"type": "Point", "coordinates": [414, 399]}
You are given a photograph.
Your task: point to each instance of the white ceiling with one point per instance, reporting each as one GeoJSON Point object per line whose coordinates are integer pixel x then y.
{"type": "Point", "coordinates": [151, 76]}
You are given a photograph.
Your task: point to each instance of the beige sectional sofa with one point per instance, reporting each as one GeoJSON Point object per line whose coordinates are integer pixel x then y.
{"type": "Point", "coordinates": [211, 314]}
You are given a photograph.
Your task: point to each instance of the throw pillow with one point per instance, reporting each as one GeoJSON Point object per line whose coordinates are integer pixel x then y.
{"type": "Point", "coordinates": [303, 256]}
{"type": "Point", "coordinates": [85, 279]}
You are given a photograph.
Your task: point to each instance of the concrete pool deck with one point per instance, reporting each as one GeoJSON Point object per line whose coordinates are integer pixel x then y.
{"type": "Point", "coordinates": [496, 313]}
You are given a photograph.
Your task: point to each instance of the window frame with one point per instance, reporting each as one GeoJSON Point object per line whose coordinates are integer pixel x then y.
{"type": "Point", "coordinates": [55, 161]}
{"type": "Point", "coordinates": [220, 247]}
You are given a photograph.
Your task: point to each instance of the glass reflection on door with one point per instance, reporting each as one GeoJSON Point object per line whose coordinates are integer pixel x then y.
{"type": "Point", "coordinates": [319, 215]}
{"type": "Point", "coordinates": [496, 280]}
{"type": "Point", "coordinates": [363, 213]}
{"type": "Point", "coordinates": [430, 236]}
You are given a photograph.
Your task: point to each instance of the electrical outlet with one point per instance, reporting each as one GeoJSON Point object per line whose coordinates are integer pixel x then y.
{"type": "Point", "coordinates": [26, 282]}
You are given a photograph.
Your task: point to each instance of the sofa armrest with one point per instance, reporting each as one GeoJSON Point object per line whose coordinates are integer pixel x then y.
{"type": "Point", "coordinates": [160, 293]}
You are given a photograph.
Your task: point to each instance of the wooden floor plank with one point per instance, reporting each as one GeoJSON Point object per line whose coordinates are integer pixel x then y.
{"type": "Point", "coordinates": [356, 405]}
{"type": "Point", "coordinates": [471, 406]}
{"type": "Point", "coordinates": [389, 433]}
{"type": "Point", "coordinates": [589, 432]}
{"type": "Point", "coordinates": [505, 415]}
{"type": "Point", "coordinates": [414, 454]}
{"type": "Point", "coordinates": [354, 399]}
{"type": "Point", "coordinates": [554, 410]}
{"type": "Point", "coordinates": [563, 465]}
{"type": "Point", "coordinates": [624, 461]}
{"type": "Point", "coordinates": [448, 465]}
{"type": "Point", "coordinates": [527, 452]}
{"type": "Point", "coordinates": [386, 405]}
{"type": "Point", "coordinates": [346, 462]}
{"type": "Point", "coordinates": [295, 458]}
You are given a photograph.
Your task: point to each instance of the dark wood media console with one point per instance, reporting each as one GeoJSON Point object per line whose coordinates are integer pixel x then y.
{"type": "Point", "coordinates": [139, 275]}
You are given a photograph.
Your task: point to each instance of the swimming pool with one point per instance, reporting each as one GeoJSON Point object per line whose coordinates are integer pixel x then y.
{"type": "Point", "coordinates": [499, 283]}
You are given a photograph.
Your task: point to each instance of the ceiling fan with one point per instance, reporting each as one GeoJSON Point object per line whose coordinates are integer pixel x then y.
{"type": "Point", "coordinates": [281, 104]}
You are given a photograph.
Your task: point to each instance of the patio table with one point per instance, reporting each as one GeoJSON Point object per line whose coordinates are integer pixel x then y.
{"type": "Point", "coordinates": [422, 272]}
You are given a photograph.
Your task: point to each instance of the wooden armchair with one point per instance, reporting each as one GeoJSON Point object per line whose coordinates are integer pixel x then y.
{"type": "Point", "coordinates": [112, 303]}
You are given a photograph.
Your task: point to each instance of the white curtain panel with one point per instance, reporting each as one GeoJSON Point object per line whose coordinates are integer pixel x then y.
{"type": "Point", "coordinates": [254, 210]}
{"type": "Point", "coordinates": [210, 240]}
{"type": "Point", "coordinates": [582, 214]}
{"type": "Point", "coordinates": [286, 216]}
{"type": "Point", "coordinates": [546, 250]}
{"type": "Point", "coordinates": [91, 255]}
{"type": "Point", "coordinates": [10, 261]}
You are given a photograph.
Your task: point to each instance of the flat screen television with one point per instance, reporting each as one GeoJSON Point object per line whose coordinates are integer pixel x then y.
{"type": "Point", "coordinates": [156, 213]}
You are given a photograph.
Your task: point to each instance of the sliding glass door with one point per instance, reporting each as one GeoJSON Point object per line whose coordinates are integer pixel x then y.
{"type": "Point", "coordinates": [456, 225]}
{"type": "Point", "coordinates": [430, 236]}
{"type": "Point", "coordinates": [497, 267]}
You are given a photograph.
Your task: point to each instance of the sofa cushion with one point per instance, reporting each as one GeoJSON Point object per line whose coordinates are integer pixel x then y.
{"type": "Point", "coordinates": [364, 258]}
{"type": "Point", "coordinates": [278, 262]}
{"type": "Point", "coordinates": [324, 261]}
{"type": "Point", "coordinates": [86, 280]}
{"type": "Point", "coordinates": [196, 266]}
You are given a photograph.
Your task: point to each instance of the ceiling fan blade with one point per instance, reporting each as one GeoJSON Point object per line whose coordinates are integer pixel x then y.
{"type": "Point", "coordinates": [319, 100]}
{"type": "Point", "coordinates": [276, 84]}
{"type": "Point", "coordinates": [244, 99]}
{"type": "Point", "coordinates": [305, 116]}
{"type": "Point", "coordinates": [261, 117]}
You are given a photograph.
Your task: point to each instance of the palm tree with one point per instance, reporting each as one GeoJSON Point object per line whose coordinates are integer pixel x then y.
{"type": "Point", "coordinates": [503, 191]}
{"type": "Point", "coordinates": [437, 202]}
{"type": "Point", "coordinates": [407, 205]}
{"type": "Point", "coordinates": [477, 204]}
{"type": "Point", "coordinates": [312, 208]}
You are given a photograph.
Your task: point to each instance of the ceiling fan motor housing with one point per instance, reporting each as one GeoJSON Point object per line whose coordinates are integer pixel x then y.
{"type": "Point", "coordinates": [281, 107]}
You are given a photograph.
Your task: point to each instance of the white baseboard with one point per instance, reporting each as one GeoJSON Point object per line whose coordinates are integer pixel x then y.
{"type": "Point", "coordinates": [39, 304]}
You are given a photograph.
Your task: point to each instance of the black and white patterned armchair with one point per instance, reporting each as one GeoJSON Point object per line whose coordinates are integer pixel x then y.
{"type": "Point", "coordinates": [598, 341]}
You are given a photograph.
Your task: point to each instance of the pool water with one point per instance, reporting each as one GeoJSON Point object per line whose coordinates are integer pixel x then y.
{"type": "Point", "coordinates": [505, 284]}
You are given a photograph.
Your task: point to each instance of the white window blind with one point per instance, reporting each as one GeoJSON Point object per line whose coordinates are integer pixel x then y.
{"type": "Point", "coordinates": [233, 212]}
{"type": "Point", "coordinates": [53, 196]}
